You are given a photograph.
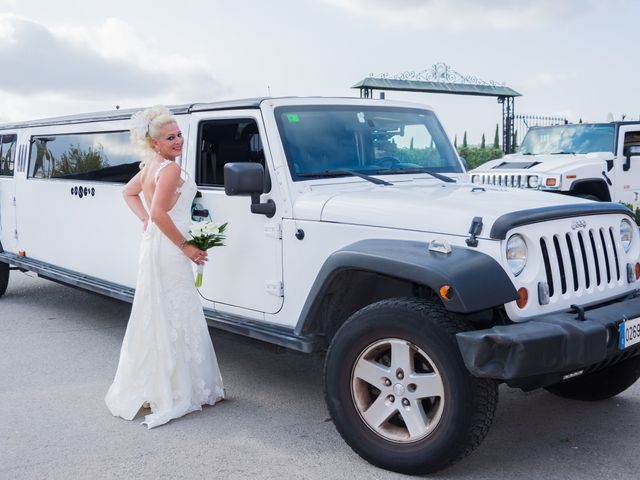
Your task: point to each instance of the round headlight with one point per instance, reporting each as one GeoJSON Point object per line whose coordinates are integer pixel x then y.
{"type": "Point", "coordinates": [626, 234]}
{"type": "Point", "coordinates": [533, 181]}
{"type": "Point", "coordinates": [516, 254]}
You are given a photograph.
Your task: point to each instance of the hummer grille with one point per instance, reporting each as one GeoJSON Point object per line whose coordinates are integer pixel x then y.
{"type": "Point", "coordinates": [503, 180]}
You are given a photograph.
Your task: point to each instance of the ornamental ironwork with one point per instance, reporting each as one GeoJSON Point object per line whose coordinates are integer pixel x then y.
{"type": "Point", "coordinates": [439, 72]}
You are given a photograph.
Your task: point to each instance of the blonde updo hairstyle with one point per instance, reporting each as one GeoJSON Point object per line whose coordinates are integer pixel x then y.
{"type": "Point", "coordinates": [146, 125]}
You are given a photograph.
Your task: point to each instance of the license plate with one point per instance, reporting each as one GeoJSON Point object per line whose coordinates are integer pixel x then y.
{"type": "Point", "coordinates": [629, 333]}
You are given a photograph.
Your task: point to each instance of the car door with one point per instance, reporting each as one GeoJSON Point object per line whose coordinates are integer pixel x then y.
{"type": "Point", "coordinates": [627, 183]}
{"type": "Point", "coordinates": [245, 275]}
{"type": "Point", "coordinates": [70, 211]}
{"type": "Point", "coordinates": [8, 146]}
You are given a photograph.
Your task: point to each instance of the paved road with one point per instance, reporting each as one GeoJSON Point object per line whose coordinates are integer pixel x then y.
{"type": "Point", "coordinates": [59, 349]}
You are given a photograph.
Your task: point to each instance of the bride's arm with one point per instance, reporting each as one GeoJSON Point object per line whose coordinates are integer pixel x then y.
{"type": "Point", "coordinates": [161, 203]}
{"type": "Point", "coordinates": [131, 194]}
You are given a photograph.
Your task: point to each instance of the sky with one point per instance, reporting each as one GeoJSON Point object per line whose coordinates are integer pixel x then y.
{"type": "Point", "coordinates": [579, 59]}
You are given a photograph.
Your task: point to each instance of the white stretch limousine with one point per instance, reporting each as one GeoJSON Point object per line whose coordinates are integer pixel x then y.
{"type": "Point", "coordinates": [352, 232]}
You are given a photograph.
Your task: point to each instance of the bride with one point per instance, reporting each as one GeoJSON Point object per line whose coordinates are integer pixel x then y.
{"type": "Point", "coordinates": [167, 362]}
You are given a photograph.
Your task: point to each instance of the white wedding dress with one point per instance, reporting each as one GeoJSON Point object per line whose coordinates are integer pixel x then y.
{"type": "Point", "coordinates": [167, 359]}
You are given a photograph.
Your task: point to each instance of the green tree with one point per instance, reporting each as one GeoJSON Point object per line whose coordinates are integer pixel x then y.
{"type": "Point", "coordinates": [411, 144]}
{"type": "Point", "coordinates": [455, 142]}
{"type": "Point", "coordinates": [496, 138]}
{"type": "Point", "coordinates": [482, 143]}
{"type": "Point", "coordinates": [476, 156]}
{"type": "Point", "coordinates": [76, 160]}
{"type": "Point", "coordinates": [426, 157]}
{"type": "Point", "coordinates": [464, 140]}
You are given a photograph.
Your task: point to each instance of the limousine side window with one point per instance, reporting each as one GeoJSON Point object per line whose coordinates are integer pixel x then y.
{"type": "Point", "coordinates": [103, 157]}
{"type": "Point", "coordinates": [225, 141]}
{"type": "Point", "coordinates": [7, 154]}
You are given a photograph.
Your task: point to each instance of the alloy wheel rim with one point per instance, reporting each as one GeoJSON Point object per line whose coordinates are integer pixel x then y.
{"type": "Point", "coordinates": [397, 390]}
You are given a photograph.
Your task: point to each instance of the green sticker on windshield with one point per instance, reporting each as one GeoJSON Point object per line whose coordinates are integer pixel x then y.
{"type": "Point", "coordinates": [293, 117]}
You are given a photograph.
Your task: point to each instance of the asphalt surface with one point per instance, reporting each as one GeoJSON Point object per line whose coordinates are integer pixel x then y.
{"type": "Point", "coordinates": [59, 350]}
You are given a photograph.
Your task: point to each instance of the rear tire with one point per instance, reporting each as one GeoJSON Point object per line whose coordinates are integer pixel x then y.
{"type": "Point", "coordinates": [398, 391]}
{"type": "Point", "coordinates": [600, 385]}
{"type": "Point", "coordinates": [4, 277]}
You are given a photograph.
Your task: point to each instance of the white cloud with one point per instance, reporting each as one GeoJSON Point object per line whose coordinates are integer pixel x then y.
{"type": "Point", "coordinates": [465, 15]}
{"type": "Point", "coordinates": [108, 64]}
{"type": "Point", "coordinates": [545, 80]}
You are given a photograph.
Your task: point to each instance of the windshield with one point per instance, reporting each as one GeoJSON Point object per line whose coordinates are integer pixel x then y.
{"type": "Point", "coordinates": [580, 138]}
{"type": "Point", "coordinates": [330, 140]}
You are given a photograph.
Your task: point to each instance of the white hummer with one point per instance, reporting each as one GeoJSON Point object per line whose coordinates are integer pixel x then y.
{"type": "Point", "coordinates": [597, 161]}
{"type": "Point", "coordinates": [352, 233]}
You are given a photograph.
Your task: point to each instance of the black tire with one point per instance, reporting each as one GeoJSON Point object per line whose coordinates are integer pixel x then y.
{"type": "Point", "coordinates": [4, 277]}
{"type": "Point", "coordinates": [600, 385]}
{"type": "Point", "coordinates": [455, 423]}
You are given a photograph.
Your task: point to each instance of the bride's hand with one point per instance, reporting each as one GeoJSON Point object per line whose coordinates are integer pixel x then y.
{"type": "Point", "coordinates": [197, 256]}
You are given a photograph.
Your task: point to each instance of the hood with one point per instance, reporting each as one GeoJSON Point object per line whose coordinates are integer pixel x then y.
{"type": "Point", "coordinates": [554, 164]}
{"type": "Point", "coordinates": [430, 207]}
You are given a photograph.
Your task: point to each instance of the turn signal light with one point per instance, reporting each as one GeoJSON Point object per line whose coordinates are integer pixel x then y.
{"type": "Point", "coordinates": [22, 253]}
{"type": "Point", "coordinates": [446, 292]}
{"type": "Point", "coordinates": [523, 297]}
{"type": "Point", "coordinates": [551, 182]}
{"type": "Point", "coordinates": [637, 271]}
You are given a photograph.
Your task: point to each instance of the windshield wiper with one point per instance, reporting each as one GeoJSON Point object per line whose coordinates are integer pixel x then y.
{"type": "Point", "coordinates": [439, 176]}
{"type": "Point", "coordinates": [562, 153]}
{"type": "Point", "coordinates": [344, 171]}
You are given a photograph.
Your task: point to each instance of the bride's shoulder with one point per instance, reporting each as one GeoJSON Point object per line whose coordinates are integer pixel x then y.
{"type": "Point", "coordinates": [167, 167]}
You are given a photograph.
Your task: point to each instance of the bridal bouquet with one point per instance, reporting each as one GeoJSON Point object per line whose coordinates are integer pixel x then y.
{"type": "Point", "coordinates": [206, 235]}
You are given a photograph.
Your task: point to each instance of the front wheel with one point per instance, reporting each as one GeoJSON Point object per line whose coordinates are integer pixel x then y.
{"type": "Point", "coordinates": [398, 391]}
{"type": "Point", "coordinates": [600, 385]}
{"type": "Point", "coordinates": [4, 277]}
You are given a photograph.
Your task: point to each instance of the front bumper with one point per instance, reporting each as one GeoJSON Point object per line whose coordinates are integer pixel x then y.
{"type": "Point", "coordinates": [546, 349]}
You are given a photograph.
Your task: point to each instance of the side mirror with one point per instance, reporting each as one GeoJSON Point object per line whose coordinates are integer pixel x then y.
{"type": "Point", "coordinates": [632, 151]}
{"type": "Point", "coordinates": [247, 179]}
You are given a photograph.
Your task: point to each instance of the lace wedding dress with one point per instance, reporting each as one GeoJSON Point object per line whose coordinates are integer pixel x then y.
{"type": "Point", "coordinates": [167, 359]}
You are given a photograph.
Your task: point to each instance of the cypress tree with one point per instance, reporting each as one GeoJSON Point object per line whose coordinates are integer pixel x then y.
{"type": "Point", "coordinates": [455, 142]}
{"type": "Point", "coordinates": [464, 140]}
{"type": "Point", "coordinates": [482, 144]}
{"type": "Point", "coordinates": [411, 144]}
{"type": "Point", "coordinates": [496, 138]}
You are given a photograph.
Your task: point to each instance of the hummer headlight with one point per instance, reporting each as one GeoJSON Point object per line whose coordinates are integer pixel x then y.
{"type": "Point", "coordinates": [626, 234]}
{"type": "Point", "coordinates": [516, 254]}
{"type": "Point", "coordinates": [533, 181]}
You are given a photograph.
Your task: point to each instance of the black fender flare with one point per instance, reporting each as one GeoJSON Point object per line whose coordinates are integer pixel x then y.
{"type": "Point", "coordinates": [478, 281]}
{"type": "Point", "coordinates": [599, 183]}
